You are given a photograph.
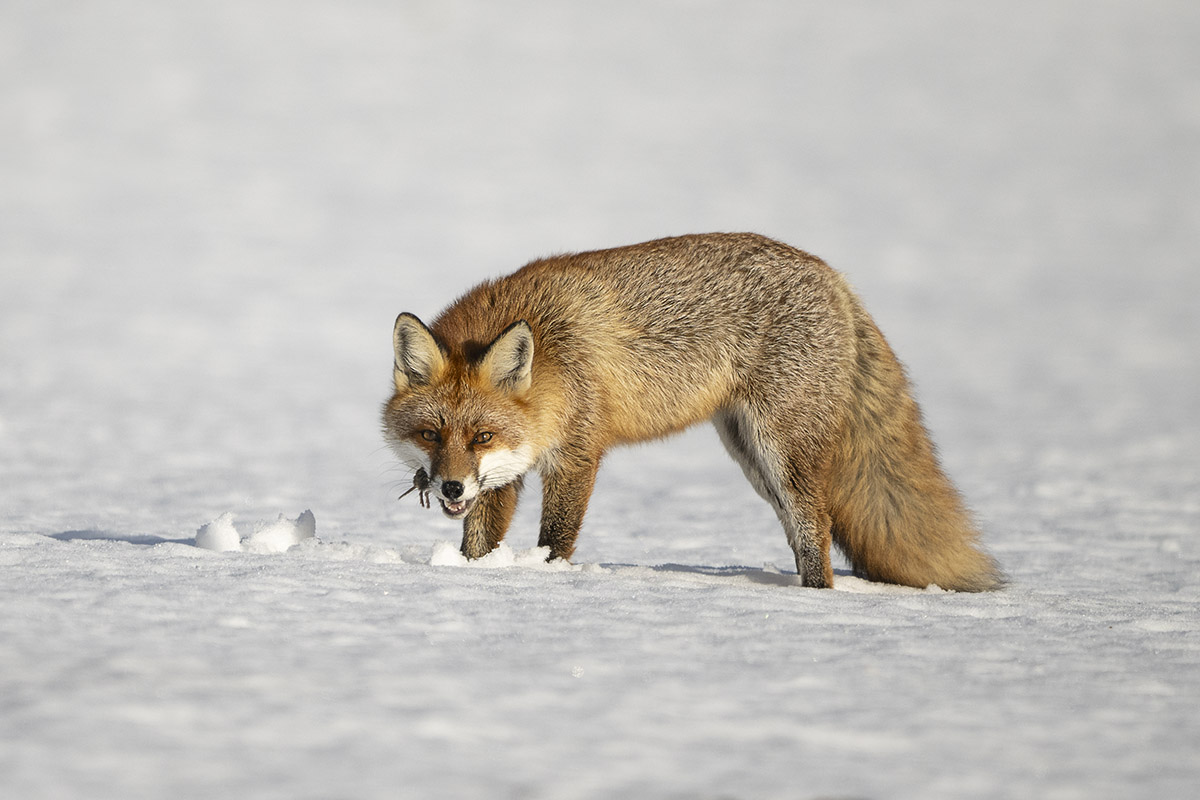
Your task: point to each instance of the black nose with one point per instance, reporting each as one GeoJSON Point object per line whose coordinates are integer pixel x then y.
{"type": "Point", "coordinates": [452, 490]}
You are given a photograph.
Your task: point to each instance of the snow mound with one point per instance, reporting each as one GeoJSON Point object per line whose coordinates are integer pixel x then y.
{"type": "Point", "coordinates": [266, 537]}
{"type": "Point", "coordinates": [447, 554]}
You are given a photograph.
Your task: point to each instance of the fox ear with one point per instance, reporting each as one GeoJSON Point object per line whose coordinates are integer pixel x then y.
{"type": "Point", "coordinates": [508, 361]}
{"type": "Point", "coordinates": [418, 357]}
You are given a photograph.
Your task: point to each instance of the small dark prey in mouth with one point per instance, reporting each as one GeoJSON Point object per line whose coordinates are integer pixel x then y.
{"type": "Point", "coordinates": [421, 484]}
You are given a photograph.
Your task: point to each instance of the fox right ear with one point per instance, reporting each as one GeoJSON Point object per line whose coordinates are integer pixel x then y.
{"type": "Point", "coordinates": [418, 356]}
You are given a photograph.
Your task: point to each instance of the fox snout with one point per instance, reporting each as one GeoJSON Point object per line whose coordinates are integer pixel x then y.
{"type": "Point", "coordinates": [453, 497]}
{"type": "Point", "coordinates": [450, 495]}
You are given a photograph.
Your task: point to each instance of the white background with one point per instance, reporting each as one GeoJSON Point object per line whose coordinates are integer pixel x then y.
{"type": "Point", "coordinates": [211, 213]}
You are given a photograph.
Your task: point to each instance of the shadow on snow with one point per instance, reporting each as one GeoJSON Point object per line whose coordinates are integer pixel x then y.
{"type": "Point", "coordinates": [146, 540]}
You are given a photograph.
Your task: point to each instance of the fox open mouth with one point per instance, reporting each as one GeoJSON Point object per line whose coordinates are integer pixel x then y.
{"type": "Point", "coordinates": [456, 509]}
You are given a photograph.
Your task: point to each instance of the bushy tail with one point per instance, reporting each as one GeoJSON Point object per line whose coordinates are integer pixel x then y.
{"type": "Point", "coordinates": [896, 515]}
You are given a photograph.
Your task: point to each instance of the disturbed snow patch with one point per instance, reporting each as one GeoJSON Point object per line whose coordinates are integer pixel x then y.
{"type": "Point", "coordinates": [857, 585]}
{"type": "Point", "coordinates": [266, 537]}
{"type": "Point", "coordinates": [446, 554]}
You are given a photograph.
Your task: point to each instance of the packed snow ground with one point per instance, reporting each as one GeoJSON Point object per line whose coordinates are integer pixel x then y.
{"type": "Point", "coordinates": [210, 215]}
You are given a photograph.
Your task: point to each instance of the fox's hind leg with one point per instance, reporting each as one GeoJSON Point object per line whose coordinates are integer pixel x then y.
{"type": "Point", "coordinates": [809, 526]}
{"type": "Point", "coordinates": [485, 526]}
{"type": "Point", "coordinates": [786, 479]}
{"type": "Point", "coordinates": [741, 438]}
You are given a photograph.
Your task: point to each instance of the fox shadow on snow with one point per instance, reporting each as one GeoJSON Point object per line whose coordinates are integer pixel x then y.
{"type": "Point", "coordinates": [766, 577]}
{"type": "Point", "coordinates": [769, 577]}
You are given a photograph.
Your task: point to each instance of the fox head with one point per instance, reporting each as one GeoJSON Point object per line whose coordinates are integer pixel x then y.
{"type": "Point", "coordinates": [457, 413]}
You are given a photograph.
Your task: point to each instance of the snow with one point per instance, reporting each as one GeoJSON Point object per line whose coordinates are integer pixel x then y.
{"type": "Point", "coordinates": [211, 214]}
{"type": "Point", "coordinates": [266, 537]}
{"type": "Point", "coordinates": [446, 554]}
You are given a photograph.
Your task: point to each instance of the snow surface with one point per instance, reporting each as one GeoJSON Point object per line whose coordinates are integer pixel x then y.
{"type": "Point", "coordinates": [211, 213]}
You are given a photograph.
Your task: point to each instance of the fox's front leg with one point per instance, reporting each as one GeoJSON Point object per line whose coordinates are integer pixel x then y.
{"type": "Point", "coordinates": [485, 526]}
{"type": "Point", "coordinates": [565, 494]}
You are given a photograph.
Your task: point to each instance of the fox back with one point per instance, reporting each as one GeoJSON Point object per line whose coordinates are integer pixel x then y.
{"type": "Point", "coordinates": [551, 366]}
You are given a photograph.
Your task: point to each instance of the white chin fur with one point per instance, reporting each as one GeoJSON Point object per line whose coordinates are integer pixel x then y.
{"type": "Point", "coordinates": [500, 467]}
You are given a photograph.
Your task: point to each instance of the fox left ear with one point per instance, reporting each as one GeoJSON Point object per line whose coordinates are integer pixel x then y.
{"type": "Point", "coordinates": [508, 361]}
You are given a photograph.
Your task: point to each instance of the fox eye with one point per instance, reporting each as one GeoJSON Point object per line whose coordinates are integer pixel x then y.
{"type": "Point", "coordinates": [430, 436]}
{"type": "Point", "coordinates": [482, 438]}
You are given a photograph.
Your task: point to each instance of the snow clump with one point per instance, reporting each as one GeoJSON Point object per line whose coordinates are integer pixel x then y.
{"type": "Point", "coordinates": [266, 537]}
{"type": "Point", "coordinates": [447, 554]}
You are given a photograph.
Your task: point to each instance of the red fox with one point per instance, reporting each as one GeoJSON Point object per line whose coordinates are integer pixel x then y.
{"type": "Point", "coordinates": [551, 366]}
